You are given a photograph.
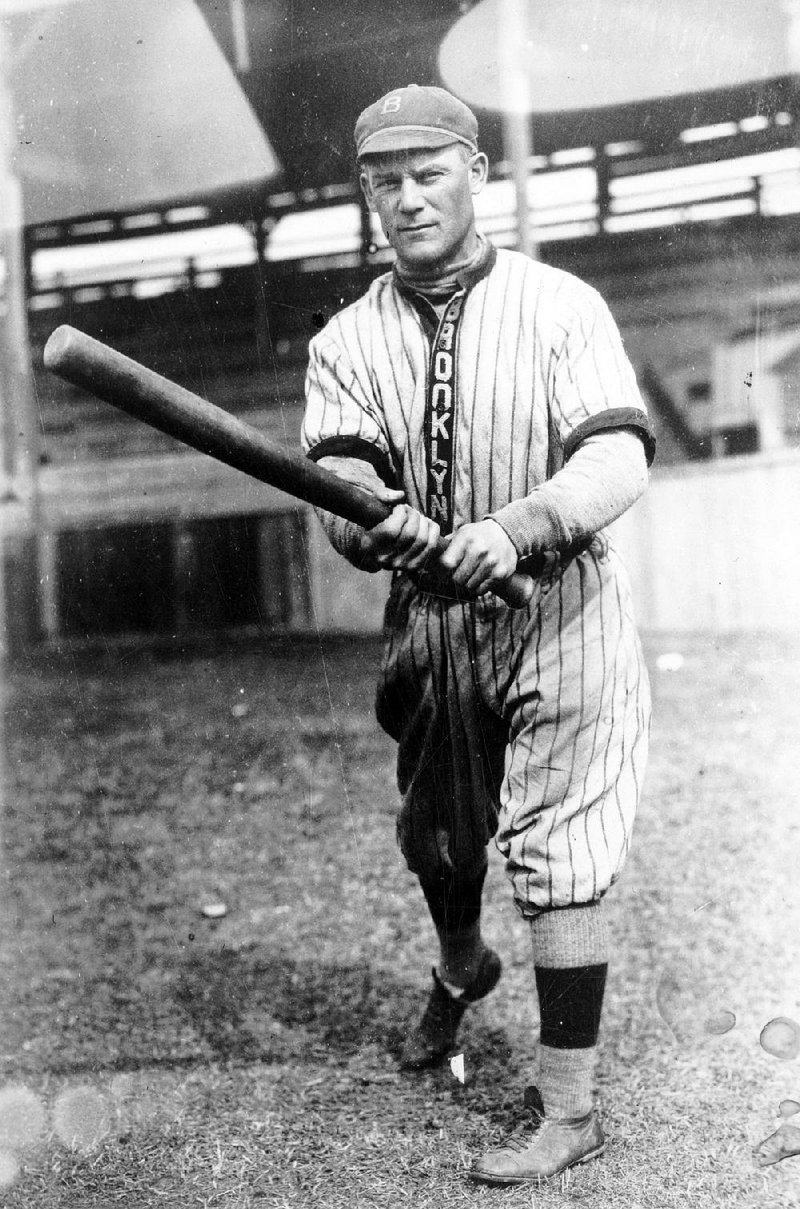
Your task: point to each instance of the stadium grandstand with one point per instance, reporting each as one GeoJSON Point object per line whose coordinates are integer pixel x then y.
{"type": "Point", "coordinates": [684, 213]}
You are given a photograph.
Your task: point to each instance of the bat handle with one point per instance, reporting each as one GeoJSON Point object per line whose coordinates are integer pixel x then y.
{"type": "Point", "coordinates": [516, 591]}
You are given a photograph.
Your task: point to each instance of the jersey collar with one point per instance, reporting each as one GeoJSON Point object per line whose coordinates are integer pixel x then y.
{"type": "Point", "coordinates": [465, 280]}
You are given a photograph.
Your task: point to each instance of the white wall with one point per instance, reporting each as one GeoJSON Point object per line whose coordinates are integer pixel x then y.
{"type": "Point", "coordinates": [344, 600]}
{"type": "Point", "coordinates": [716, 545]}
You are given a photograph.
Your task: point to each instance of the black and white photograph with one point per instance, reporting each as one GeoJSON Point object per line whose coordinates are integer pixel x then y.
{"type": "Point", "coordinates": [399, 604]}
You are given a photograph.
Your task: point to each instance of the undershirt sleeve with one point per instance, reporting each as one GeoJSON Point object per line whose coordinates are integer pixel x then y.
{"type": "Point", "coordinates": [605, 475]}
{"type": "Point", "coordinates": [345, 537]}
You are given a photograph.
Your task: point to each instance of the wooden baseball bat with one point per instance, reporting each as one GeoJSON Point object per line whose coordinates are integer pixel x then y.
{"type": "Point", "coordinates": [146, 395]}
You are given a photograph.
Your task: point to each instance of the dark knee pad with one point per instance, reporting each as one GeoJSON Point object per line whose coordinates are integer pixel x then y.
{"type": "Point", "coordinates": [425, 850]}
{"type": "Point", "coordinates": [432, 849]}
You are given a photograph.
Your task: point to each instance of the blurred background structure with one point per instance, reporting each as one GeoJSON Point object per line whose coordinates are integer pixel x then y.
{"type": "Point", "coordinates": [178, 180]}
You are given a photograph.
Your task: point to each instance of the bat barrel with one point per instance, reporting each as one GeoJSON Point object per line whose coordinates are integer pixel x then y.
{"type": "Point", "coordinates": [179, 413]}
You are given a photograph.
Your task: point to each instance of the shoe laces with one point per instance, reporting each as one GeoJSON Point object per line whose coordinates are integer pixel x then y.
{"type": "Point", "coordinates": [517, 1141]}
{"type": "Point", "coordinates": [520, 1137]}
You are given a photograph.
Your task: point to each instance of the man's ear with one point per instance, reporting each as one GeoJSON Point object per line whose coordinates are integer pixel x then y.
{"type": "Point", "coordinates": [366, 188]}
{"type": "Point", "coordinates": [478, 171]}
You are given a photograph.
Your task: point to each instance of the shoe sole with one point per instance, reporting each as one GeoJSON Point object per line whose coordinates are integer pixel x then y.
{"type": "Point", "coordinates": [481, 1177]}
{"type": "Point", "coordinates": [429, 1063]}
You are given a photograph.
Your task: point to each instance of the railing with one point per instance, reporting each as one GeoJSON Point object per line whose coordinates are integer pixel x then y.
{"type": "Point", "coordinates": [748, 167]}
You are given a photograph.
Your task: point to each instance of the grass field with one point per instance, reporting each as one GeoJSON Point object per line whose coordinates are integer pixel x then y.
{"type": "Point", "coordinates": [154, 1054]}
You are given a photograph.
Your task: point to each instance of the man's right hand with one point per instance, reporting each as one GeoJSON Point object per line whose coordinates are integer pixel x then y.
{"type": "Point", "coordinates": [406, 539]}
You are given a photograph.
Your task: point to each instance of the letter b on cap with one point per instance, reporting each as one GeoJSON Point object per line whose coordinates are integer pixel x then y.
{"type": "Point", "coordinates": [391, 104]}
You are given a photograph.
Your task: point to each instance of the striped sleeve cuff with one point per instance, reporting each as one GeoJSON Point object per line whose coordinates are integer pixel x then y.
{"type": "Point", "coordinates": [355, 447]}
{"type": "Point", "coordinates": [633, 418]}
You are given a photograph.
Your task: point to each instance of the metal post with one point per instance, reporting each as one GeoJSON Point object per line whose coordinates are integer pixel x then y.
{"type": "Point", "coordinates": [241, 43]}
{"type": "Point", "coordinates": [365, 228]}
{"type": "Point", "coordinates": [515, 103]}
{"type": "Point", "coordinates": [602, 167]}
{"type": "Point", "coordinates": [261, 228]}
{"type": "Point", "coordinates": [19, 431]}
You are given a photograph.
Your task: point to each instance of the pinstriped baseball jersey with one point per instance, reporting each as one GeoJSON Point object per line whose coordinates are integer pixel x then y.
{"type": "Point", "coordinates": [531, 724]}
{"type": "Point", "coordinates": [539, 365]}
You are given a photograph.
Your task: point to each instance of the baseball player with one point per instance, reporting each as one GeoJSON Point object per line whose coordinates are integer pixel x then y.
{"type": "Point", "coordinates": [488, 398]}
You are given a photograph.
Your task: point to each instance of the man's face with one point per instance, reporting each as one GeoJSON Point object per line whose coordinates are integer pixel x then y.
{"type": "Point", "coordinates": [423, 199]}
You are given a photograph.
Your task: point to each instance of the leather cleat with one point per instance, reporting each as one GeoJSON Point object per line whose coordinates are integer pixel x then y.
{"type": "Point", "coordinates": [435, 1035]}
{"type": "Point", "coordinates": [541, 1147]}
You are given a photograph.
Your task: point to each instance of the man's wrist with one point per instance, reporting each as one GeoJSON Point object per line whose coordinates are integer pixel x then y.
{"type": "Point", "coordinates": [530, 526]}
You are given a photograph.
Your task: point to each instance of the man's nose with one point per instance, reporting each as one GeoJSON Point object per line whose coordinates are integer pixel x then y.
{"type": "Point", "coordinates": [410, 197]}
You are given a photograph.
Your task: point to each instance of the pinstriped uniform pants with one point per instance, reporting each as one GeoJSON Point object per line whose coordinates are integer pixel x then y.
{"type": "Point", "coordinates": [529, 725]}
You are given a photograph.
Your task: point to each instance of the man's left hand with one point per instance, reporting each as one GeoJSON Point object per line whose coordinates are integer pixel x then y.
{"type": "Point", "coordinates": [479, 556]}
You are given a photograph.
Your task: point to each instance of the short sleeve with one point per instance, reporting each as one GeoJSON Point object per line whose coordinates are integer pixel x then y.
{"type": "Point", "coordinates": [594, 384]}
{"type": "Point", "coordinates": [341, 416]}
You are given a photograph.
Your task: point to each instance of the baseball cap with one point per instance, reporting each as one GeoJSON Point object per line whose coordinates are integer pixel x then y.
{"type": "Point", "coordinates": [415, 116]}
